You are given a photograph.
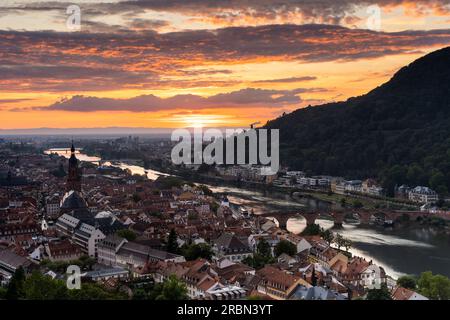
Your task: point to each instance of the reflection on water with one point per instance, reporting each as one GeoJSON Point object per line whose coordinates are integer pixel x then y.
{"type": "Point", "coordinates": [151, 174]}
{"type": "Point", "coordinates": [399, 251]}
{"type": "Point", "coordinates": [66, 153]}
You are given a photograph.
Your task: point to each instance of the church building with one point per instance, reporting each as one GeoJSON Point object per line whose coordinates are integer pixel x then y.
{"type": "Point", "coordinates": [77, 221]}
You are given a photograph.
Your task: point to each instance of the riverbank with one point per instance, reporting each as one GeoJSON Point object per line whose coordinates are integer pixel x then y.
{"type": "Point", "coordinates": [408, 250]}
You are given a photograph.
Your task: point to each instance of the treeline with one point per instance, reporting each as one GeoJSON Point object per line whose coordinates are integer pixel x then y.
{"type": "Point", "coordinates": [398, 133]}
{"type": "Point", "coordinates": [38, 286]}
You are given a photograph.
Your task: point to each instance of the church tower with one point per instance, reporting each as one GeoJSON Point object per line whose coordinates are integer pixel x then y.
{"type": "Point", "coordinates": [74, 175]}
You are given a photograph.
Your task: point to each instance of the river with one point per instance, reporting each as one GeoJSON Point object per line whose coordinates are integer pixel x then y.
{"type": "Point", "coordinates": [400, 251]}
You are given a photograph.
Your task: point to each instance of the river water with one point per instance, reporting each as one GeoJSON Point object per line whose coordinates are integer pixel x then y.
{"type": "Point", "coordinates": [400, 251]}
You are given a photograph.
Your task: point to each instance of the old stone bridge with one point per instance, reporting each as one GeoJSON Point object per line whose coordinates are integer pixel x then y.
{"type": "Point", "coordinates": [363, 215]}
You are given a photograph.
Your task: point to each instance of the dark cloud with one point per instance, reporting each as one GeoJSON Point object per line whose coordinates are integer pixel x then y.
{"type": "Point", "coordinates": [249, 97]}
{"type": "Point", "coordinates": [228, 12]}
{"type": "Point", "coordinates": [254, 8]}
{"type": "Point", "coordinates": [79, 61]}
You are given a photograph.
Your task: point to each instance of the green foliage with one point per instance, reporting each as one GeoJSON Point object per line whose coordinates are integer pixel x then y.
{"type": "Point", "coordinates": [339, 240]}
{"type": "Point", "coordinates": [84, 262]}
{"type": "Point", "coordinates": [379, 294]}
{"type": "Point", "coordinates": [347, 244]}
{"type": "Point", "coordinates": [156, 214]}
{"type": "Point", "coordinates": [171, 289]}
{"type": "Point", "coordinates": [38, 286]}
{"type": "Point", "coordinates": [167, 182]}
{"type": "Point", "coordinates": [312, 230]}
{"type": "Point", "coordinates": [214, 206]}
{"type": "Point", "coordinates": [195, 251]}
{"type": "Point", "coordinates": [408, 282]}
{"type": "Point", "coordinates": [285, 246]}
{"type": "Point", "coordinates": [262, 256]}
{"type": "Point", "coordinates": [397, 133]}
{"type": "Point", "coordinates": [258, 261]}
{"type": "Point", "coordinates": [206, 190]}
{"type": "Point", "coordinates": [327, 235]}
{"type": "Point", "coordinates": [93, 291]}
{"type": "Point", "coordinates": [41, 287]}
{"type": "Point", "coordinates": [193, 215]}
{"type": "Point", "coordinates": [16, 285]}
{"type": "Point", "coordinates": [357, 204]}
{"type": "Point", "coordinates": [436, 287]}
{"type": "Point", "coordinates": [263, 248]}
{"type": "Point", "coordinates": [172, 244]}
{"type": "Point", "coordinates": [3, 292]}
{"type": "Point", "coordinates": [60, 172]}
{"type": "Point", "coordinates": [127, 234]}
{"type": "Point", "coordinates": [142, 290]}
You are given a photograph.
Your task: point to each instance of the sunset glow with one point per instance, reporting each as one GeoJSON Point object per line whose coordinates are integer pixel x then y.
{"type": "Point", "coordinates": [188, 64]}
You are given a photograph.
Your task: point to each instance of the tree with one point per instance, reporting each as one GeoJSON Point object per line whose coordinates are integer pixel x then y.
{"type": "Point", "coordinates": [127, 234]}
{"type": "Point", "coordinates": [328, 236]}
{"type": "Point", "coordinates": [339, 241]}
{"type": "Point", "coordinates": [285, 246]}
{"type": "Point", "coordinates": [436, 287]}
{"type": "Point", "coordinates": [261, 257]}
{"type": "Point", "coordinates": [3, 293]}
{"type": "Point", "coordinates": [140, 294]}
{"type": "Point", "coordinates": [357, 204]}
{"type": "Point", "coordinates": [263, 248]}
{"type": "Point", "coordinates": [93, 291]}
{"type": "Point", "coordinates": [16, 285]}
{"type": "Point", "coordinates": [379, 294]}
{"type": "Point", "coordinates": [347, 244]}
{"type": "Point", "coordinates": [172, 243]}
{"type": "Point", "coordinates": [257, 261]}
{"type": "Point", "coordinates": [408, 282]}
{"type": "Point", "coordinates": [437, 180]}
{"type": "Point", "coordinates": [171, 289]}
{"type": "Point", "coordinates": [42, 287]}
{"type": "Point", "coordinates": [59, 173]}
{"type": "Point", "coordinates": [195, 251]}
{"type": "Point", "coordinates": [206, 191]}
{"type": "Point", "coordinates": [312, 230]}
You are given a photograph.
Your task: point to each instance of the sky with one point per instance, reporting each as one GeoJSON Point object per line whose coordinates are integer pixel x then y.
{"type": "Point", "coordinates": [200, 63]}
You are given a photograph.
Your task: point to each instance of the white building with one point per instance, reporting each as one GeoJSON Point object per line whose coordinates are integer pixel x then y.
{"type": "Point", "coordinates": [423, 195]}
{"type": "Point", "coordinates": [297, 174]}
{"type": "Point", "coordinates": [300, 243]}
{"type": "Point", "coordinates": [254, 239]}
{"type": "Point", "coordinates": [82, 234]}
{"type": "Point", "coordinates": [117, 251]}
{"type": "Point", "coordinates": [373, 276]}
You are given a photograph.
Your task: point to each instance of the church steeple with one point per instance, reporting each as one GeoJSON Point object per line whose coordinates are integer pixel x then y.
{"type": "Point", "coordinates": [74, 174]}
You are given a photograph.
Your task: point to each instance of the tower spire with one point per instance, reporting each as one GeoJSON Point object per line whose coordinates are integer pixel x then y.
{"type": "Point", "coordinates": [74, 174]}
